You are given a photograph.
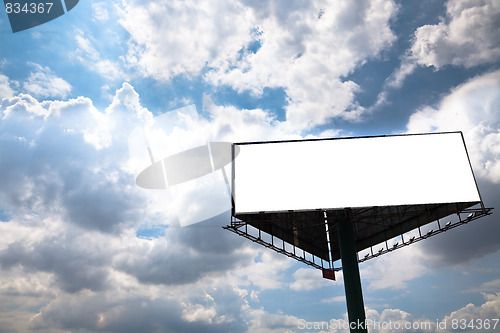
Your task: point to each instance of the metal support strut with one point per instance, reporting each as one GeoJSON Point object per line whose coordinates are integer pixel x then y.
{"type": "Point", "coordinates": [350, 268]}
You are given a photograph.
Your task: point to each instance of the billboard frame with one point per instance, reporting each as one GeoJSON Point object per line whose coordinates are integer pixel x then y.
{"type": "Point", "coordinates": [269, 223]}
{"type": "Point", "coordinates": [341, 233]}
{"type": "Point", "coordinates": [233, 168]}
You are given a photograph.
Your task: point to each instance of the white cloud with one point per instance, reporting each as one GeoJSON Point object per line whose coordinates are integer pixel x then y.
{"type": "Point", "coordinates": [493, 285]}
{"type": "Point", "coordinates": [42, 83]}
{"type": "Point", "coordinates": [5, 89]}
{"type": "Point", "coordinates": [109, 69]}
{"type": "Point", "coordinates": [308, 279]}
{"type": "Point", "coordinates": [396, 320]}
{"type": "Point", "coordinates": [471, 108]}
{"type": "Point", "coordinates": [254, 296]}
{"type": "Point", "coordinates": [198, 33]}
{"type": "Point", "coordinates": [468, 36]}
{"type": "Point", "coordinates": [125, 112]}
{"type": "Point", "coordinates": [100, 11]}
{"type": "Point", "coordinates": [72, 236]}
{"type": "Point", "coordinates": [143, 308]}
{"type": "Point", "coordinates": [394, 270]}
{"type": "Point", "coordinates": [389, 320]}
{"type": "Point", "coordinates": [49, 166]}
{"type": "Point", "coordinates": [69, 255]}
{"type": "Point", "coordinates": [85, 46]}
{"type": "Point", "coordinates": [334, 299]}
{"type": "Point", "coordinates": [258, 272]}
{"type": "Point", "coordinates": [251, 46]}
{"type": "Point", "coordinates": [478, 315]}
{"type": "Point", "coordinates": [309, 59]}
{"type": "Point", "coordinates": [231, 124]}
{"type": "Point", "coordinates": [396, 79]}
{"type": "Point", "coordinates": [87, 52]}
{"type": "Point", "coordinates": [198, 312]}
{"type": "Point", "coordinates": [264, 322]}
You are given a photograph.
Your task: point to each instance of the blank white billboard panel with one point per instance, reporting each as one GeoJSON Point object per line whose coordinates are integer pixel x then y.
{"type": "Point", "coordinates": [353, 172]}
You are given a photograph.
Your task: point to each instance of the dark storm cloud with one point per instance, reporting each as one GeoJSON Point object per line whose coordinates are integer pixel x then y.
{"type": "Point", "coordinates": [209, 237]}
{"type": "Point", "coordinates": [73, 215]}
{"type": "Point", "coordinates": [469, 241]}
{"type": "Point", "coordinates": [47, 167]}
{"type": "Point", "coordinates": [94, 203]}
{"type": "Point", "coordinates": [471, 107]}
{"type": "Point", "coordinates": [75, 268]}
{"type": "Point", "coordinates": [97, 312]}
{"type": "Point", "coordinates": [50, 170]}
{"type": "Point", "coordinates": [189, 254]}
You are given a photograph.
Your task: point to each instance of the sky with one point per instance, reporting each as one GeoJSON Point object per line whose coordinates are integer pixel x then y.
{"type": "Point", "coordinates": [83, 249]}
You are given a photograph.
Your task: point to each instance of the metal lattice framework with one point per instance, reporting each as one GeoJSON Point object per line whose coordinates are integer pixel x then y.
{"type": "Point", "coordinates": [303, 235]}
{"type": "Point", "coordinates": [390, 203]}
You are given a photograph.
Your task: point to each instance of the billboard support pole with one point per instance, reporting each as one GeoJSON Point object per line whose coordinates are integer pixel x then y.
{"type": "Point", "coordinates": [350, 268]}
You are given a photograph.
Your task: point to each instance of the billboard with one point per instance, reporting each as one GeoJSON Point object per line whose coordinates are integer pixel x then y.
{"type": "Point", "coordinates": [341, 173]}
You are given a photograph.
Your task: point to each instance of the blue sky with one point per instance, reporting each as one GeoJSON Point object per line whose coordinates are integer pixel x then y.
{"type": "Point", "coordinates": [83, 249]}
